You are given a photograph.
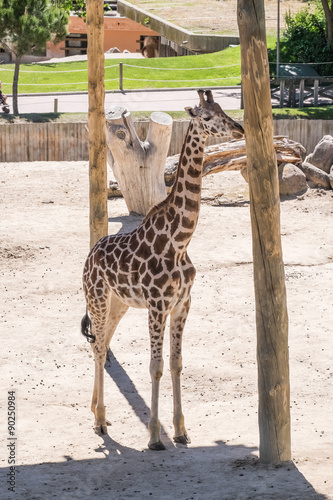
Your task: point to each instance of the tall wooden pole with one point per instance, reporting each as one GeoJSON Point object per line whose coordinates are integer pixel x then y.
{"type": "Point", "coordinates": [96, 122]}
{"type": "Point", "coordinates": [269, 282]}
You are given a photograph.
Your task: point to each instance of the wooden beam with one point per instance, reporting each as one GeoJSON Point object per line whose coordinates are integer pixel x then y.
{"type": "Point", "coordinates": [282, 85]}
{"type": "Point", "coordinates": [301, 94]}
{"type": "Point", "coordinates": [269, 282]}
{"type": "Point", "coordinates": [96, 122]}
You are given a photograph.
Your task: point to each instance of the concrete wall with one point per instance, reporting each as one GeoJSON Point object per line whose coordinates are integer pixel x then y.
{"type": "Point", "coordinates": [196, 43]}
{"type": "Point", "coordinates": [69, 141]}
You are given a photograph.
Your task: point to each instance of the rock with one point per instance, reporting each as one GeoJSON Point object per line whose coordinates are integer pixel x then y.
{"type": "Point", "coordinates": [315, 175]}
{"type": "Point", "coordinates": [113, 50]}
{"type": "Point", "coordinates": [291, 179]}
{"type": "Point", "coordinates": [322, 156]}
{"type": "Point", "coordinates": [331, 177]}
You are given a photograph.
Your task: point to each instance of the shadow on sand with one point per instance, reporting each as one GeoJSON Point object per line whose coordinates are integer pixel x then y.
{"type": "Point", "coordinates": [128, 222]}
{"type": "Point", "coordinates": [218, 472]}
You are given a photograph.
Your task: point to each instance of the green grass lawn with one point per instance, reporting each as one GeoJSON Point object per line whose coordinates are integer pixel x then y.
{"type": "Point", "coordinates": [173, 72]}
{"type": "Point", "coordinates": [207, 70]}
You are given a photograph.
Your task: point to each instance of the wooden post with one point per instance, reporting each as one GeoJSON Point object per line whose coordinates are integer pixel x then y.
{"type": "Point", "coordinates": [315, 92]}
{"type": "Point", "coordinates": [282, 84]}
{"type": "Point", "coordinates": [269, 282]}
{"type": "Point", "coordinates": [96, 122]}
{"type": "Point", "coordinates": [301, 94]}
{"type": "Point", "coordinates": [138, 166]}
{"type": "Point", "coordinates": [121, 78]}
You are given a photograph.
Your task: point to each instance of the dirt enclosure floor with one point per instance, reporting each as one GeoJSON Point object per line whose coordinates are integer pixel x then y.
{"type": "Point", "coordinates": [44, 242]}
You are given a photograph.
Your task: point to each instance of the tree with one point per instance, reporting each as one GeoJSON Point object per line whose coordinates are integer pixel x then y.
{"type": "Point", "coordinates": [306, 39]}
{"type": "Point", "coordinates": [79, 7]}
{"type": "Point", "coordinates": [328, 10]}
{"type": "Point", "coordinates": [26, 25]}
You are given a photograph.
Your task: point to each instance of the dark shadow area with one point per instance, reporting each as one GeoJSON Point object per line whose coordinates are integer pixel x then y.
{"type": "Point", "coordinates": [46, 64]}
{"type": "Point", "coordinates": [31, 117]}
{"type": "Point", "coordinates": [216, 472]}
{"type": "Point", "coordinates": [220, 472]}
{"type": "Point", "coordinates": [128, 222]}
{"type": "Point", "coordinates": [221, 93]}
{"type": "Point", "coordinates": [286, 197]}
{"type": "Point", "coordinates": [129, 391]}
{"type": "Point", "coordinates": [217, 203]}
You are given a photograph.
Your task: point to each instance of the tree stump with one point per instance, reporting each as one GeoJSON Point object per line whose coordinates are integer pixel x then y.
{"type": "Point", "coordinates": [138, 166]}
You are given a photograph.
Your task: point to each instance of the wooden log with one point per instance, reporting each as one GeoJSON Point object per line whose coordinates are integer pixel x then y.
{"type": "Point", "coordinates": [226, 156]}
{"type": "Point", "coordinates": [269, 282]}
{"type": "Point", "coordinates": [138, 166]}
{"type": "Point", "coordinates": [232, 156]}
{"type": "Point", "coordinates": [96, 122]}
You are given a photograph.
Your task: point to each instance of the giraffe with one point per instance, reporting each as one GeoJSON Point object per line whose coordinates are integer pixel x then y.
{"type": "Point", "coordinates": [150, 268]}
{"type": "Point", "coordinates": [150, 46]}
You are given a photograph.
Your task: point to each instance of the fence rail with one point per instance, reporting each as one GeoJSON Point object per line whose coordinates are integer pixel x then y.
{"type": "Point", "coordinates": [69, 141]}
{"type": "Point", "coordinates": [121, 73]}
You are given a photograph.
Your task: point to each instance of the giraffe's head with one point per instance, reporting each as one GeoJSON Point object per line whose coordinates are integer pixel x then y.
{"type": "Point", "coordinates": [212, 119]}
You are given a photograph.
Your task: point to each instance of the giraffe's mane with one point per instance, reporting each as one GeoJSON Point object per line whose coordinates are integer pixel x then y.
{"type": "Point", "coordinates": [160, 206]}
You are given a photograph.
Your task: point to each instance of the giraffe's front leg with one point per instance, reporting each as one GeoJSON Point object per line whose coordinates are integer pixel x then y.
{"type": "Point", "coordinates": [177, 321]}
{"type": "Point", "coordinates": [156, 330]}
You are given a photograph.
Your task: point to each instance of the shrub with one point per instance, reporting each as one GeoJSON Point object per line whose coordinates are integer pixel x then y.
{"type": "Point", "coordinates": [304, 41]}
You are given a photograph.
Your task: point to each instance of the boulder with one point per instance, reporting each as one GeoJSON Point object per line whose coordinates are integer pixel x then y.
{"type": "Point", "coordinates": [291, 179]}
{"type": "Point", "coordinates": [316, 175]}
{"type": "Point", "coordinates": [322, 156]}
{"type": "Point", "coordinates": [113, 50]}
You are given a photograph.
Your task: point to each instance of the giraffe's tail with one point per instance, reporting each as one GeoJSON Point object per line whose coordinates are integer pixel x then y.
{"type": "Point", "coordinates": [86, 328]}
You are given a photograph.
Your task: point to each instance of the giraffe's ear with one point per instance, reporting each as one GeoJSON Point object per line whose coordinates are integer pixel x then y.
{"type": "Point", "coordinates": [190, 111]}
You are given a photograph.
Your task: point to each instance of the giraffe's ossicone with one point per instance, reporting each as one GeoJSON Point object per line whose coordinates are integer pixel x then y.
{"type": "Point", "coordinates": [150, 268]}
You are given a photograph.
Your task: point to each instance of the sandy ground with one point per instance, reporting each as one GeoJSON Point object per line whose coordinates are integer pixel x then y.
{"type": "Point", "coordinates": [44, 242]}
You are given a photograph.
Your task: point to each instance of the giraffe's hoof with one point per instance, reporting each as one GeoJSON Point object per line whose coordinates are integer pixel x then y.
{"type": "Point", "coordinates": [101, 429]}
{"type": "Point", "coordinates": [108, 422]}
{"type": "Point", "coordinates": [184, 439]}
{"type": "Point", "coordinates": [156, 446]}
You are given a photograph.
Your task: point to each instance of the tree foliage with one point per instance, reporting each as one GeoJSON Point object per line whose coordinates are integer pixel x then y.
{"type": "Point", "coordinates": [26, 26]}
{"type": "Point", "coordinates": [305, 40]}
{"type": "Point", "coordinates": [78, 7]}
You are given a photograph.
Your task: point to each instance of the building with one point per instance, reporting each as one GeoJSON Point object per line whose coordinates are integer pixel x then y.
{"type": "Point", "coordinates": [119, 32]}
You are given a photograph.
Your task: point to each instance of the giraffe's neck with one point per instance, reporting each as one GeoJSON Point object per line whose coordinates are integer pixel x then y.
{"type": "Point", "coordinates": [185, 197]}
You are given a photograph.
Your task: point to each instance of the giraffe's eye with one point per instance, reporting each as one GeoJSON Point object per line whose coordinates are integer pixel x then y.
{"type": "Point", "coordinates": [207, 118]}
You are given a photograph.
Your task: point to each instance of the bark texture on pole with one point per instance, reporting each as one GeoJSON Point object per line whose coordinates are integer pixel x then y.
{"type": "Point", "coordinates": [269, 281]}
{"type": "Point", "coordinates": [138, 166]}
{"type": "Point", "coordinates": [96, 122]}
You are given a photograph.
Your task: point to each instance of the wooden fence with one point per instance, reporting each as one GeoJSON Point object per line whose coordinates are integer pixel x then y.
{"type": "Point", "coordinates": [69, 141]}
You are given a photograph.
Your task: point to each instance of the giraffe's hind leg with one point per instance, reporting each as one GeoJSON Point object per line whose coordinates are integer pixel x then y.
{"type": "Point", "coordinates": [98, 304]}
{"type": "Point", "coordinates": [105, 320]}
{"type": "Point", "coordinates": [99, 349]}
